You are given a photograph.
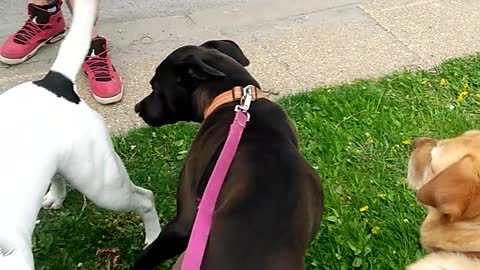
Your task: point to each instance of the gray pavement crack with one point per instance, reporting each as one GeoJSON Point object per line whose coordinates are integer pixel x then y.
{"type": "Point", "coordinates": [392, 34]}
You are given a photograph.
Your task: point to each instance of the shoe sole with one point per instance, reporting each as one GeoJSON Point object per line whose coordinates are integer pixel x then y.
{"type": "Point", "coordinates": [52, 40]}
{"type": "Point", "coordinates": [110, 100]}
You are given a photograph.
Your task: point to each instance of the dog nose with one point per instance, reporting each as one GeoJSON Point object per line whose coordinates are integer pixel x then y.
{"type": "Point", "coordinates": [137, 108]}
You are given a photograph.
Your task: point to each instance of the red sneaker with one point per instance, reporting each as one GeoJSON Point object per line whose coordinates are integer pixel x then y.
{"type": "Point", "coordinates": [41, 28]}
{"type": "Point", "coordinates": [105, 84]}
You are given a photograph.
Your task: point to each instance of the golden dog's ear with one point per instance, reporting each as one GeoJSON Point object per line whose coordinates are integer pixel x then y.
{"type": "Point", "coordinates": [419, 142]}
{"type": "Point", "coordinates": [455, 191]}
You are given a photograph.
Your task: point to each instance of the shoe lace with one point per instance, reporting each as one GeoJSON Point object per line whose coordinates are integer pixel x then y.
{"type": "Point", "coordinates": [29, 30]}
{"type": "Point", "coordinates": [99, 67]}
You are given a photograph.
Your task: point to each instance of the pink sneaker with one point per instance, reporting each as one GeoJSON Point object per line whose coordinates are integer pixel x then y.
{"type": "Point", "coordinates": [105, 84]}
{"type": "Point", "coordinates": [41, 28]}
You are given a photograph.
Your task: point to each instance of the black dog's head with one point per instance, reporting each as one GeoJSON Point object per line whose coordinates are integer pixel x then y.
{"type": "Point", "coordinates": [190, 78]}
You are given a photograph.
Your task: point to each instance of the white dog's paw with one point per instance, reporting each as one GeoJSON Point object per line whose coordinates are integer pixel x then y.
{"type": "Point", "coordinates": [151, 236]}
{"type": "Point", "coordinates": [52, 201]}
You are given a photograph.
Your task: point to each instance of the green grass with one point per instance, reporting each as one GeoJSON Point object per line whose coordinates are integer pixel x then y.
{"type": "Point", "coordinates": [356, 136]}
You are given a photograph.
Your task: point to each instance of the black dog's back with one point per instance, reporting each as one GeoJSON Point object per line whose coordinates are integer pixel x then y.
{"type": "Point", "coordinates": [271, 203]}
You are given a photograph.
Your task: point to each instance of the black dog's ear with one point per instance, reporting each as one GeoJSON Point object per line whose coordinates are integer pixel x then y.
{"type": "Point", "coordinates": [229, 48]}
{"type": "Point", "coordinates": [198, 69]}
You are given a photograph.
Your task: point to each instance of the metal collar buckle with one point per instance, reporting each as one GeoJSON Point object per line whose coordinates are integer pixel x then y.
{"type": "Point", "coordinates": [245, 101]}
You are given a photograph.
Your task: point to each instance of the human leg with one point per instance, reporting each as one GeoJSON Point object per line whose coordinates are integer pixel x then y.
{"type": "Point", "coordinates": [104, 81]}
{"type": "Point", "coordinates": [45, 25]}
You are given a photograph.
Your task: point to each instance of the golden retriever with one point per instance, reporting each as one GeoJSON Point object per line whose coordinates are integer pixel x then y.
{"type": "Point", "coordinates": [446, 177]}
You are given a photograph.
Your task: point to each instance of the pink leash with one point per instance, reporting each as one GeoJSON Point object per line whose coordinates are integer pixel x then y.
{"type": "Point", "coordinates": [203, 221]}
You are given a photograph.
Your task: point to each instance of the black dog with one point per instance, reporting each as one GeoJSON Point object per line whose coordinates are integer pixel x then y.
{"type": "Point", "coordinates": [271, 204]}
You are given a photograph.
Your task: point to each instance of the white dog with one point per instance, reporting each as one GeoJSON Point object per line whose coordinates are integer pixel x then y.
{"type": "Point", "coordinates": [47, 130]}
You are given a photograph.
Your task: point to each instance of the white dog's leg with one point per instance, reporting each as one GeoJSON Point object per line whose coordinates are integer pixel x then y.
{"type": "Point", "coordinates": [110, 188]}
{"type": "Point", "coordinates": [56, 195]}
{"type": "Point", "coordinates": [144, 206]}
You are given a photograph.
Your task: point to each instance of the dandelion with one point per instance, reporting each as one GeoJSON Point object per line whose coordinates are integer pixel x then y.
{"type": "Point", "coordinates": [462, 96]}
{"type": "Point", "coordinates": [364, 209]}
{"type": "Point", "coordinates": [375, 230]}
{"type": "Point", "coordinates": [424, 82]}
{"type": "Point", "coordinates": [443, 82]}
{"type": "Point", "coordinates": [382, 196]}
{"type": "Point", "coordinates": [466, 86]}
{"type": "Point", "coordinates": [406, 142]}
{"type": "Point", "coordinates": [368, 141]}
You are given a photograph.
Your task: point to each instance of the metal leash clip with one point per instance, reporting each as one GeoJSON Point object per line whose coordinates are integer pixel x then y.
{"type": "Point", "coordinates": [245, 101]}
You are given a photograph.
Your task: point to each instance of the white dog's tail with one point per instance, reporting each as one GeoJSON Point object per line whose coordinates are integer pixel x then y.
{"type": "Point", "coordinates": [75, 47]}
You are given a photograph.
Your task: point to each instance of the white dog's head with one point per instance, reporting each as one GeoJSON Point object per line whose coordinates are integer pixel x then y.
{"type": "Point", "coordinates": [13, 260]}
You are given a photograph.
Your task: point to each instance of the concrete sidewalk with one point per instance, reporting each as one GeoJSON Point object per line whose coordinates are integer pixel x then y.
{"type": "Point", "coordinates": [293, 45]}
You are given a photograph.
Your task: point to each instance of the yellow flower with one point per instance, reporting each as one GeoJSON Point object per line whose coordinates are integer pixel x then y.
{"type": "Point", "coordinates": [466, 86]}
{"type": "Point", "coordinates": [381, 196]}
{"type": "Point", "coordinates": [375, 230]}
{"type": "Point", "coordinates": [462, 96]}
{"type": "Point", "coordinates": [368, 141]}
{"type": "Point", "coordinates": [364, 209]}
{"type": "Point", "coordinates": [424, 82]}
{"type": "Point", "coordinates": [406, 142]}
{"type": "Point", "coordinates": [443, 82]}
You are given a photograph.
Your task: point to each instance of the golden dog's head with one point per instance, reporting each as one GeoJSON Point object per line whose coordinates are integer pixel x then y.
{"type": "Point", "coordinates": [446, 177]}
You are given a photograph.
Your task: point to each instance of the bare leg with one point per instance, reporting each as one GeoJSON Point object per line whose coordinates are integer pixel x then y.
{"type": "Point", "coordinates": [112, 89]}
{"type": "Point", "coordinates": [71, 4]}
